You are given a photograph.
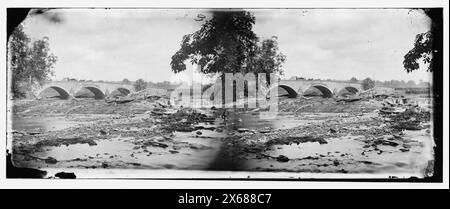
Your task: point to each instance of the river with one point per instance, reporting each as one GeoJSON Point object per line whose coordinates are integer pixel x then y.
{"type": "Point", "coordinates": [210, 150]}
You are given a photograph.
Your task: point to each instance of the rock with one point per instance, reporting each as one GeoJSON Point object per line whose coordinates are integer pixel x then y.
{"type": "Point", "coordinates": [199, 147]}
{"type": "Point", "coordinates": [296, 139]}
{"type": "Point", "coordinates": [51, 160]}
{"type": "Point", "coordinates": [385, 142]}
{"type": "Point", "coordinates": [155, 144]}
{"type": "Point", "coordinates": [282, 158]}
{"type": "Point", "coordinates": [242, 130]}
{"type": "Point", "coordinates": [184, 129]}
{"type": "Point", "coordinates": [102, 132]}
{"type": "Point", "coordinates": [404, 150]}
{"type": "Point", "coordinates": [336, 163]}
{"type": "Point", "coordinates": [199, 133]}
{"type": "Point", "coordinates": [396, 136]}
{"type": "Point", "coordinates": [264, 131]}
{"type": "Point", "coordinates": [33, 133]}
{"type": "Point", "coordinates": [407, 125]}
{"type": "Point", "coordinates": [104, 165]}
{"type": "Point", "coordinates": [158, 112]}
{"type": "Point", "coordinates": [64, 175]}
{"type": "Point", "coordinates": [310, 158]}
{"type": "Point", "coordinates": [343, 171]}
{"type": "Point", "coordinates": [332, 130]}
{"type": "Point", "coordinates": [173, 151]}
{"type": "Point", "coordinates": [65, 141]}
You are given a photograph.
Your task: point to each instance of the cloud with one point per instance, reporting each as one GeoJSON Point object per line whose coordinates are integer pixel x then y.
{"type": "Point", "coordinates": [341, 43]}
{"type": "Point", "coordinates": [112, 44]}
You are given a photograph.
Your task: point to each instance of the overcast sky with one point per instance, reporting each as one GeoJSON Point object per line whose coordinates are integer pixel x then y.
{"type": "Point", "coordinates": [339, 44]}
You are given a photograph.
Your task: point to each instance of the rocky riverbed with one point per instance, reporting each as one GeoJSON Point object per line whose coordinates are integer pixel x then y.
{"type": "Point", "coordinates": [309, 135]}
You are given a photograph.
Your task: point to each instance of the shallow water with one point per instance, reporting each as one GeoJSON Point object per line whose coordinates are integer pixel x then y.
{"type": "Point", "coordinates": [122, 153]}
{"type": "Point", "coordinates": [42, 123]}
{"type": "Point", "coordinates": [252, 121]}
{"type": "Point", "coordinates": [349, 154]}
{"type": "Point", "coordinates": [344, 153]}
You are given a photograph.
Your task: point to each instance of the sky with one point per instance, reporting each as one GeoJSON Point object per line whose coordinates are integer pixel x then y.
{"type": "Point", "coordinates": [113, 44]}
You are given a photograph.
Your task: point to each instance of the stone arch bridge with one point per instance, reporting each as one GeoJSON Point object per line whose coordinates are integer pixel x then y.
{"type": "Point", "coordinates": [328, 89]}
{"type": "Point", "coordinates": [68, 89]}
{"type": "Point", "coordinates": [295, 88]}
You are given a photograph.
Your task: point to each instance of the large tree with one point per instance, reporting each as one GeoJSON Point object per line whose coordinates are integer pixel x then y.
{"type": "Point", "coordinates": [139, 85]}
{"type": "Point", "coordinates": [30, 63]}
{"type": "Point", "coordinates": [428, 46]}
{"type": "Point", "coordinates": [226, 43]}
{"type": "Point", "coordinates": [422, 50]}
{"type": "Point", "coordinates": [18, 53]}
{"type": "Point", "coordinates": [41, 61]}
{"type": "Point", "coordinates": [367, 84]}
{"type": "Point", "coordinates": [267, 58]}
{"type": "Point", "coordinates": [222, 45]}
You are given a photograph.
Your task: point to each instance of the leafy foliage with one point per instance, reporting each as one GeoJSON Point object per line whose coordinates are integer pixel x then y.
{"type": "Point", "coordinates": [30, 63]}
{"type": "Point", "coordinates": [227, 44]}
{"type": "Point", "coordinates": [222, 45]}
{"type": "Point", "coordinates": [422, 50]}
{"type": "Point", "coordinates": [367, 84]}
{"type": "Point", "coordinates": [42, 61]}
{"type": "Point", "coordinates": [267, 58]}
{"type": "Point", "coordinates": [139, 85]}
{"type": "Point", "coordinates": [353, 80]}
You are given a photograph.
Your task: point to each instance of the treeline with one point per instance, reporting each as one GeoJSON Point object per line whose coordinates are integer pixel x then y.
{"type": "Point", "coordinates": [30, 62]}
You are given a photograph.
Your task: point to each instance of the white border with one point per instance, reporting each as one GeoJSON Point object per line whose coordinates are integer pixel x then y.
{"type": "Point", "coordinates": [210, 184]}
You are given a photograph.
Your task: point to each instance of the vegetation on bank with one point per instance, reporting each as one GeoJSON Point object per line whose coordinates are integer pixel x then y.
{"type": "Point", "coordinates": [30, 62]}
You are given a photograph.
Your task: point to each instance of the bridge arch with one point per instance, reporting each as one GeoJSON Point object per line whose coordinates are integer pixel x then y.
{"type": "Point", "coordinates": [61, 91]}
{"type": "Point", "coordinates": [120, 91]}
{"type": "Point", "coordinates": [291, 92]}
{"type": "Point", "coordinates": [348, 90]}
{"type": "Point", "coordinates": [326, 92]}
{"type": "Point", "coordinates": [98, 94]}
